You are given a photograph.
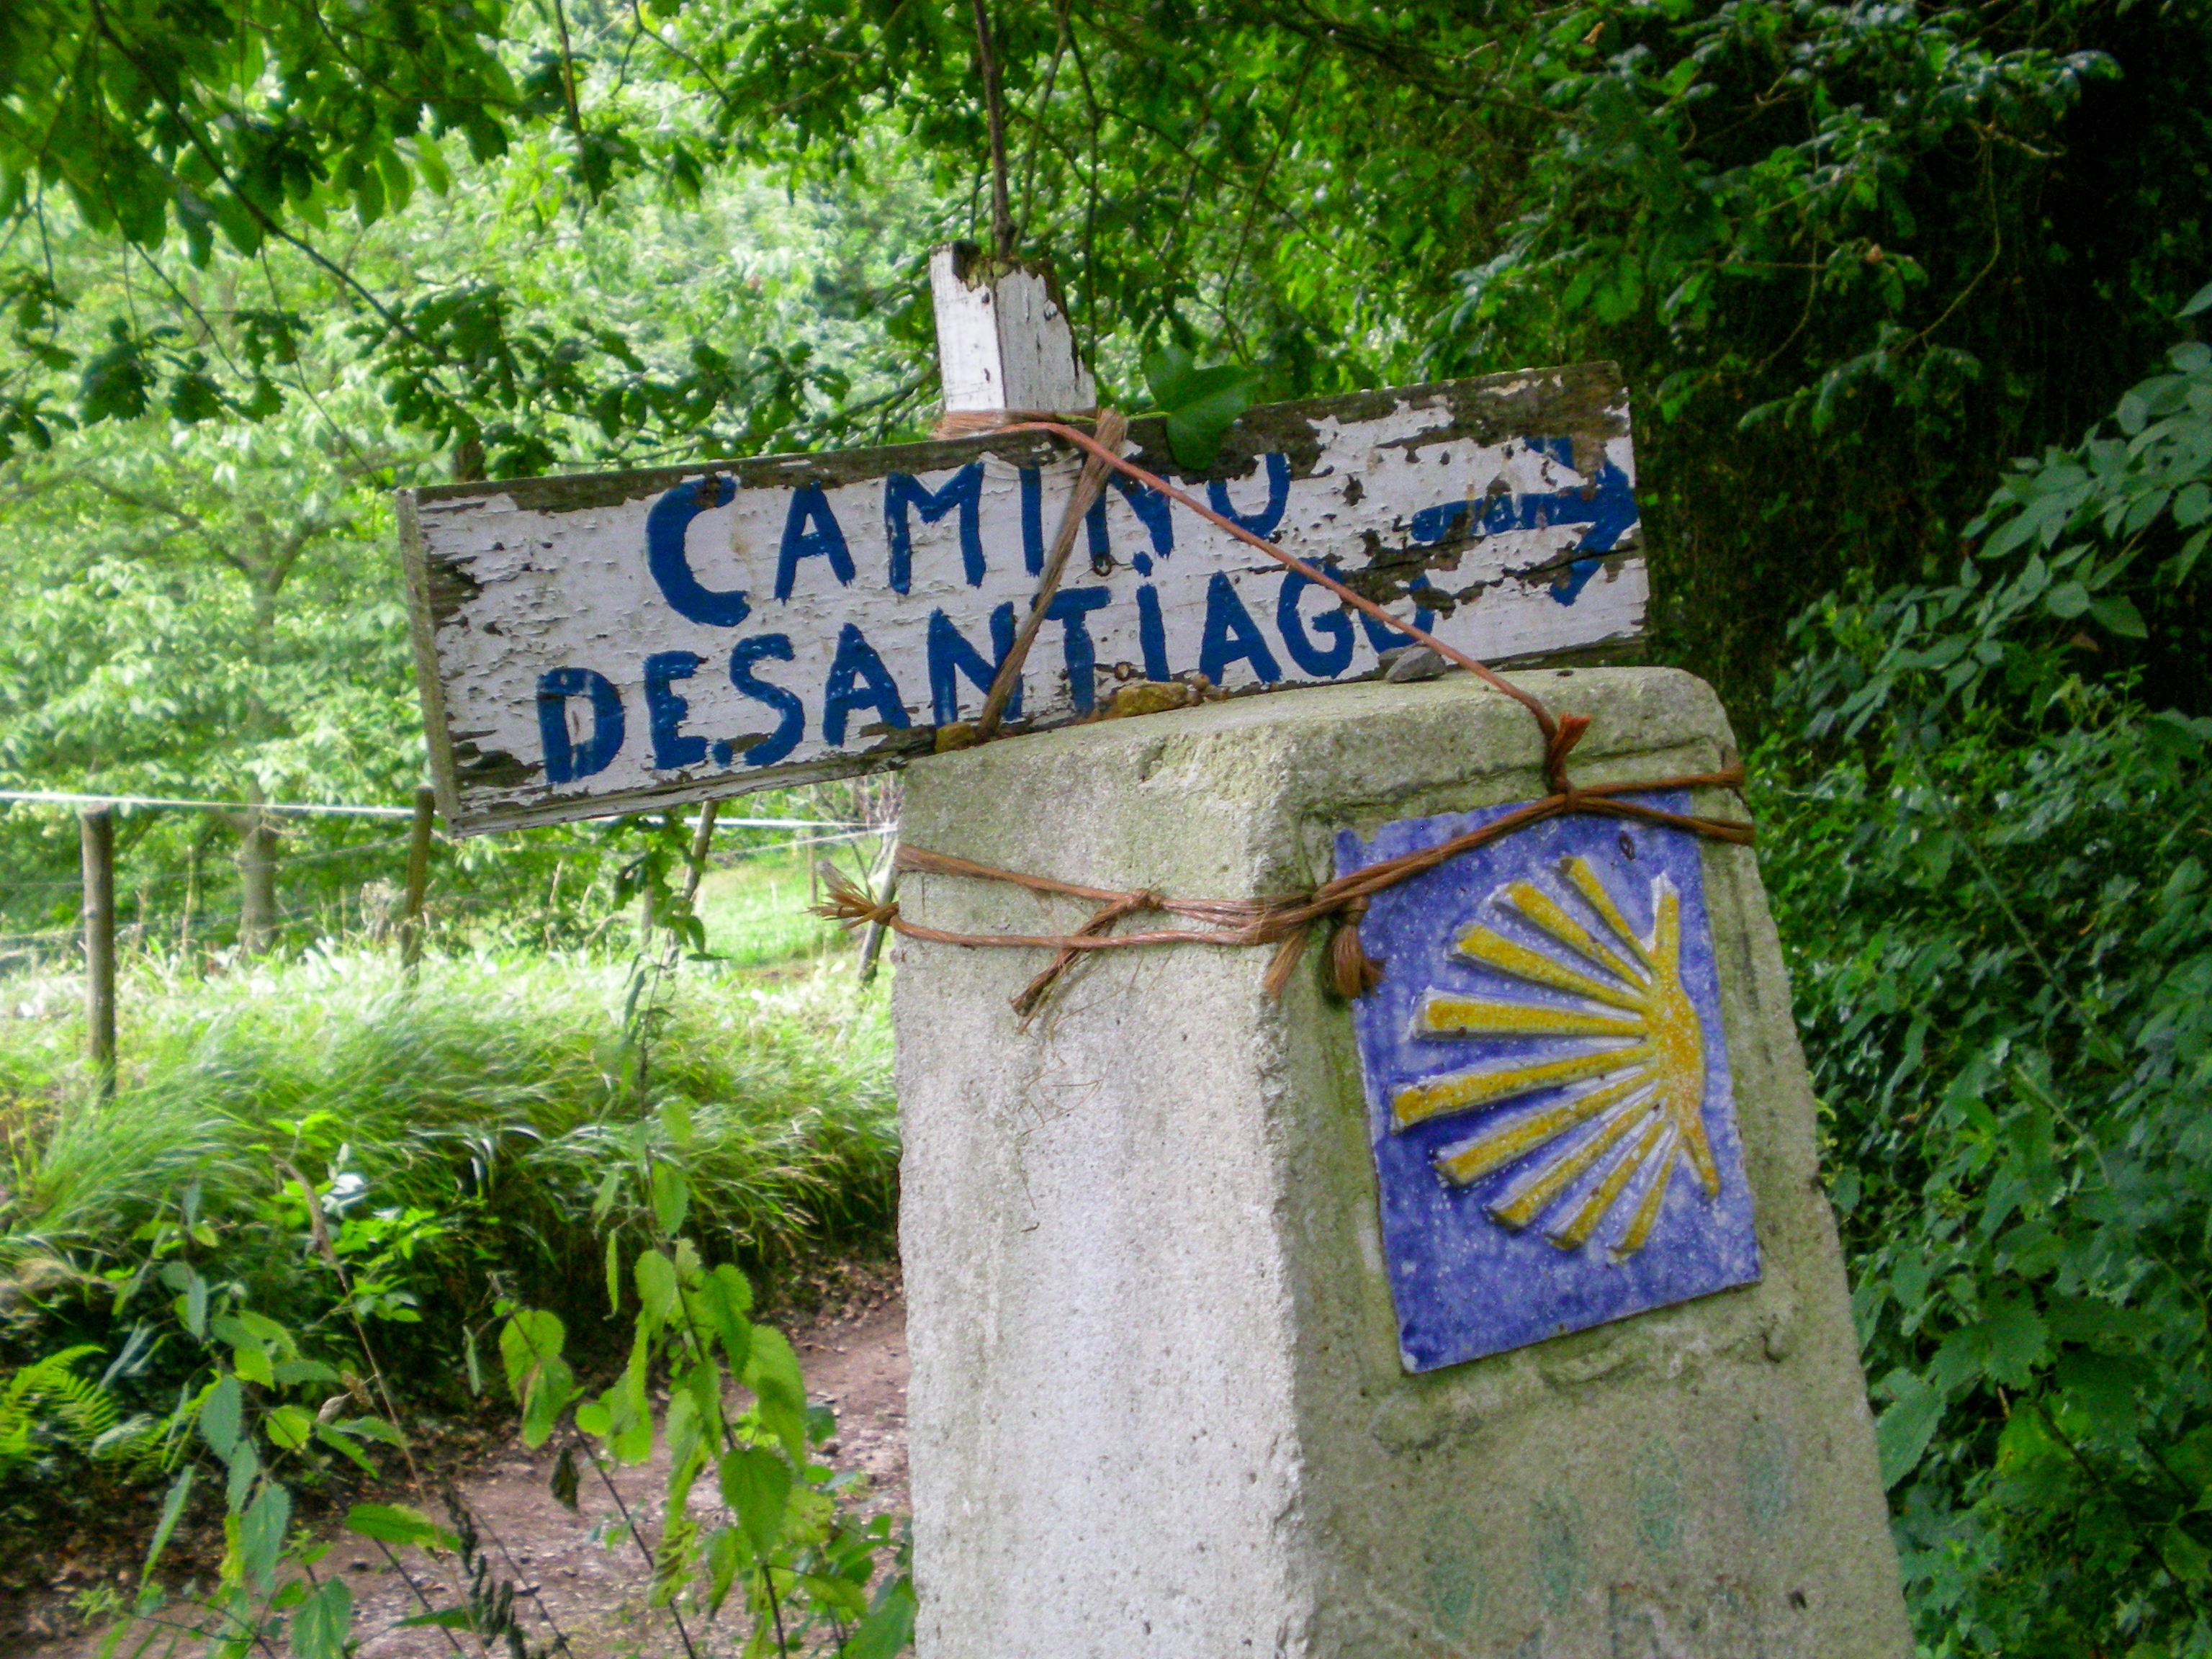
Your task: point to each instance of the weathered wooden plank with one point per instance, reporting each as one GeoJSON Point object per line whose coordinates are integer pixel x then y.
{"type": "Point", "coordinates": [594, 644]}
{"type": "Point", "coordinates": [1003, 340]}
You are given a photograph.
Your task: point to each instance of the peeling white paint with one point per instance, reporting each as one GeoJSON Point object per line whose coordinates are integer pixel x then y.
{"type": "Point", "coordinates": [560, 604]}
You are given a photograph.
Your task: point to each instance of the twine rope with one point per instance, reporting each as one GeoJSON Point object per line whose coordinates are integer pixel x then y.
{"type": "Point", "coordinates": [1285, 921]}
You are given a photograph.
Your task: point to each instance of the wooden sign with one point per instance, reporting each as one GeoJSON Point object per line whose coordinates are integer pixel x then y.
{"type": "Point", "coordinates": [1552, 1111]}
{"type": "Point", "coordinates": [595, 644]}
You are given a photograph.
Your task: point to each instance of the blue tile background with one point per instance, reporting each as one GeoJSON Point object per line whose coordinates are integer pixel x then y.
{"type": "Point", "coordinates": [1465, 1285]}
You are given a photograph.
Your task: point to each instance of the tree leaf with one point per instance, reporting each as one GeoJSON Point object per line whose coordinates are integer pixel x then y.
{"type": "Point", "coordinates": [1201, 405]}
{"type": "Point", "coordinates": [2066, 599]}
{"type": "Point", "coordinates": [2184, 1558]}
{"type": "Point", "coordinates": [2117, 612]}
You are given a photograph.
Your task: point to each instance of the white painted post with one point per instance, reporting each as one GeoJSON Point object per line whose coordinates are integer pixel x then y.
{"type": "Point", "coordinates": [1004, 343]}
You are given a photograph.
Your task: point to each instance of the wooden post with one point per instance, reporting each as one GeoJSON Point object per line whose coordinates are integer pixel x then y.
{"type": "Point", "coordinates": [256, 879]}
{"type": "Point", "coordinates": [1003, 345]}
{"type": "Point", "coordinates": [418, 880]}
{"type": "Point", "coordinates": [97, 834]}
{"type": "Point", "coordinates": [871, 942]}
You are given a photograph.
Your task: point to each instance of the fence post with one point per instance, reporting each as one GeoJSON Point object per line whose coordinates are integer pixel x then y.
{"type": "Point", "coordinates": [418, 880]}
{"type": "Point", "coordinates": [97, 834]}
{"type": "Point", "coordinates": [257, 872]}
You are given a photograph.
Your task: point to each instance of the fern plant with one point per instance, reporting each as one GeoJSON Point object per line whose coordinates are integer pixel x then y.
{"type": "Point", "coordinates": [48, 1403]}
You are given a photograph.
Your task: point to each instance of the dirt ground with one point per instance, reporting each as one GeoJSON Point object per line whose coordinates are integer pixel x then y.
{"type": "Point", "coordinates": [569, 1580]}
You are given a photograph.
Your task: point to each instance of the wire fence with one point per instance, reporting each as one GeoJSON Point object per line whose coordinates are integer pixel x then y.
{"type": "Point", "coordinates": [560, 894]}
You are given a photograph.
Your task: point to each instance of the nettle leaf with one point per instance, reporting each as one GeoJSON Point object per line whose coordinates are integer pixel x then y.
{"type": "Point", "coordinates": [889, 1626]}
{"type": "Point", "coordinates": [322, 1625]}
{"type": "Point", "coordinates": [2006, 1348]}
{"type": "Point", "coordinates": [397, 1523]}
{"type": "Point", "coordinates": [261, 1536]}
{"type": "Point", "coordinates": [722, 1300]}
{"type": "Point", "coordinates": [1201, 405]}
{"type": "Point", "coordinates": [756, 1484]}
{"type": "Point", "coordinates": [772, 1373]}
{"type": "Point", "coordinates": [331, 1437]}
{"type": "Point", "coordinates": [530, 1344]}
{"type": "Point", "coordinates": [289, 1426]}
{"type": "Point", "coordinates": [656, 1287]}
{"type": "Point", "coordinates": [222, 1415]}
{"type": "Point", "coordinates": [671, 1195]}
{"type": "Point", "coordinates": [531, 1339]}
{"type": "Point", "coordinates": [1905, 1427]}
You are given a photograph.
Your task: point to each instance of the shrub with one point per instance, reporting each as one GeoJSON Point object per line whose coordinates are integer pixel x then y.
{"type": "Point", "coordinates": [1991, 880]}
{"type": "Point", "coordinates": [458, 1138]}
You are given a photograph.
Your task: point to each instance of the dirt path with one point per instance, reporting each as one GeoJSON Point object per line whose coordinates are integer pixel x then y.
{"type": "Point", "coordinates": [594, 1593]}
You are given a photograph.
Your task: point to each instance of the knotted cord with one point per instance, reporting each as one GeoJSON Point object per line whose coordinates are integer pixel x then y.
{"type": "Point", "coordinates": [1284, 921]}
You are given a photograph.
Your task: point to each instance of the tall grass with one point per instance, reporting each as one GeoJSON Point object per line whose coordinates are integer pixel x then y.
{"type": "Point", "coordinates": [757, 912]}
{"type": "Point", "coordinates": [464, 1128]}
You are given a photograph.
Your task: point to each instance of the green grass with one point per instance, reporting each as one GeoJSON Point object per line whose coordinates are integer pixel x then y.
{"type": "Point", "coordinates": [473, 1119]}
{"type": "Point", "coordinates": [755, 912]}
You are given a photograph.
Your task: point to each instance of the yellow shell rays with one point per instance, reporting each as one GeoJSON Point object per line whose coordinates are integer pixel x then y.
{"type": "Point", "coordinates": [1614, 1145]}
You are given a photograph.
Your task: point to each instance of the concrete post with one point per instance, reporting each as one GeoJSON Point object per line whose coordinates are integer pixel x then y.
{"type": "Point", "coordinates": [1158, 1406]}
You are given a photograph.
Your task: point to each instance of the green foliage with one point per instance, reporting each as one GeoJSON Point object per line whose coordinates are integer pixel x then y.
{"type": "Point", "coordinates": [1826, 240]}
{"type": "Point", "coordinates": [259, 1412]}
{"type": "Point", "coordinates": [49, 1405]}
{"type": "Point", "coordinates": [2000, 926]}
{"type": "Point", "coordinates": [1852, 256]}
{"type": "Point", "coordinates": [251, 121]}
{"type": "Point", "coordinates": [777, 1549]}
{"type": "Point", "coordinates": [451, 1138]}
{"type": "Point", "coordinates": [1201, 405]}
{"type": "Point", "coordinates": [546, 298]}
{"type": "Point", "coordinates": [274, 1221]}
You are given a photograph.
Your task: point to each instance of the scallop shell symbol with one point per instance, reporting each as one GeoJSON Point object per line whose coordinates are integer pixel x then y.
{"type": "Point", "coordinates": [1614, 1143]}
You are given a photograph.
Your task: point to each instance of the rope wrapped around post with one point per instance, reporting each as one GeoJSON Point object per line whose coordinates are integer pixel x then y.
{"type": "Point", "coordinates": [1284, 921]}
